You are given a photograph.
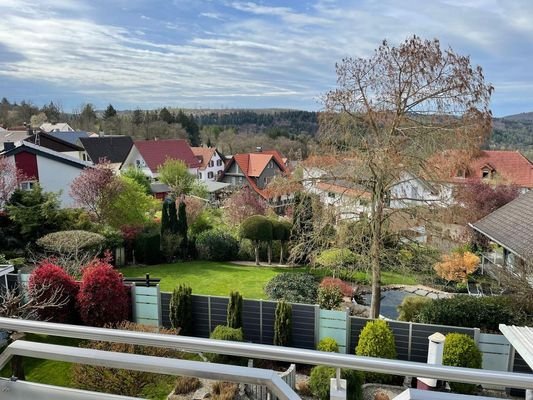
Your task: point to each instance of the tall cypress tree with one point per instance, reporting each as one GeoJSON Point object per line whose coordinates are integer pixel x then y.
{"type": "Point", "coordinates": [165, 217]}
{"type": "Point", "coordinates": [173, 217]}
{"type": "Point", "coordinates": [182, 228]}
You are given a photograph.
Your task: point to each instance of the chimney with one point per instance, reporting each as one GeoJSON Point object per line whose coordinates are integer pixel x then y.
{"type": "Point", "coordinates": [258, 149]}
{"type": "Point", "coordinates": [9, 146]}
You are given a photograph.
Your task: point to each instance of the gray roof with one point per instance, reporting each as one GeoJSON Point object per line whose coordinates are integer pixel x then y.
{"type": "Point", "coordinates": [113, 148]}
{"type": "Point", "coordinates": [70, 136]}
{"type": "Point", "coordinates": [511, 226]}
{"type": "Point", "coordinates": [12, 136]}
{"type": "Point", "coordinates": [213, 186]}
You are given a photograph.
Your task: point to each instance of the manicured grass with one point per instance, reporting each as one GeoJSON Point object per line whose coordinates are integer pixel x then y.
{"type": "Point", "coordinates": [55, 373]}
{"type": "Point", "coordinates": [213, 278]}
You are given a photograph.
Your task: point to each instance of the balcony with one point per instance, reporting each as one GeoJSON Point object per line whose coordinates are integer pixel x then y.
{"type": "Point", "coordinates": [16, 389]}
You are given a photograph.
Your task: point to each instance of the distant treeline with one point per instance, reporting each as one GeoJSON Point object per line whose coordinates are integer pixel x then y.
{"type": "Point", "coordinates": [285, 122]}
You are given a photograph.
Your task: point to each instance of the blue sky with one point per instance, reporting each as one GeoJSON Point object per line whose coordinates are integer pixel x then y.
{"type": "Point", "coordinates": [253, 54]}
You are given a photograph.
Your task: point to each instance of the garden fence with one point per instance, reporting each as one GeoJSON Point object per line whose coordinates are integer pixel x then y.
{"type": "Point", "coordinates": [152, 307]}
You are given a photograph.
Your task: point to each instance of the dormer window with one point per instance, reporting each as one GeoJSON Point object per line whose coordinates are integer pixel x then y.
{"type": "Point", "coordinates": [485, 174]}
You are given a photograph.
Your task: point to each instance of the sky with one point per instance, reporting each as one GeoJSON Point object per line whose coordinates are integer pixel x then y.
{"type": "Point", "coordinates": [242, 54]}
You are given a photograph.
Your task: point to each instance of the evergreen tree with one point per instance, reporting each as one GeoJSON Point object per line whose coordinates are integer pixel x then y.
{"type": "Point", "coordinates": [194, 131]}
{"type": "Point", "coordinates": [52, 111]}
{"type": "Point", "coordinates": [166, 116]}
{"type": "Point", "coordinates": [182, 228]}
{"type": "Point", "coordinates": [302, 227]}
{"type": "Point", "coordinates": [234, 312]}
{"type": "Point", "coordinates": [137, 117]}
{"type": "Point", "coordinates": [173, 217]}
{"type": "Point", "coordinates": [165, 217]}
{"type": "Point", "coordinates": [208, 142]}
{"type": "Point", "coordinates": [110, 112]}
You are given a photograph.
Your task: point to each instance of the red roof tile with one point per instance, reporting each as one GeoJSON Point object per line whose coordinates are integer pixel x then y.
{"type": "Point", "coordinates": [203, 154]}
{"type": "Point", "coordinates": [156, 152]}
{"type": "Point", "coordinates": [509, 166]}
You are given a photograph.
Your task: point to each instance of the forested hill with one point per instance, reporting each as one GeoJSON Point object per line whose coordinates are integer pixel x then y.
{"type": "Point", "coordinates": [513, 132]}
{"type": "Point", "coordinates": [253, 121]}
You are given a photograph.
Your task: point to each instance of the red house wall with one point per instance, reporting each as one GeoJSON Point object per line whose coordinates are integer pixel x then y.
{"type": "Point", "coordinates": [27, 163]}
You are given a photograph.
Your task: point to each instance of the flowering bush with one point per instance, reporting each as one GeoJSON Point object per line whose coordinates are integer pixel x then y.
{"type": "Point", "coordinates": [53, 288]}
{"type": "Point", "coordinates": [103, 298]}
{"type": "Point", "coordinates": [345, 288]}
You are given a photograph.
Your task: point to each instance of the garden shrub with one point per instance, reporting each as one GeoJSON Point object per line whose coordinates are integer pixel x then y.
{"type": "Point", "coordinates": [186, 384]}
{"type": "Point", "coordinates": [319, 382]}
{"type": "Point", "coordinates": [180, 309]}
{"type": "Point", "coordinates": [170, 243]}
{"type": "Point", "coordinates": [410, 307]}
{"type": "Point", "coordinates": [247, 250]}
{"type": "Point", "coordinates": [49, 283]}
{"type": "Point", "coordinates": [460, 350]}
{"type": "Point", "coordinates": [234, 313]}
{"type": "Point", "coordinates": [376, 340]}
{"type": "Point", "coordinates": [67, 242]}
{"type": "Point", "coordinates": [329, 297]}
{"type": "Point", "coordinates": [297, 287]}
{"type": "Point", "coordinates": [222, 332]}
{"type": "Point", "coordinates": [485, 313]}
{"type": "Point", "coordinates": [258, 229]}
{"type": "Point", "coordinates": [103, 298]}
{"type": "Point", "coordinates": [147, 247]}
{"type": "Point", "coordinates": [336, 258]}
{"type": "Point", "coordinates": [121, 381]}
{"type": "Point", "coordinates": [328, 344]}
{"type": "Point", "coordinates": [345, 287]}
{"type": "Point", "coordinates": [215, 245]}
{"type": "Point", "coordinates": [283, 324]}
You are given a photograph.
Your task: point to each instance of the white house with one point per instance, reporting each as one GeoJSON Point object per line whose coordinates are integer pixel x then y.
{"type": "Point", "coordinates": [59, 127]}
{"type": "Point", "coordinates": [53, 170]}
{"type": "Point", "coordinates": [211, 163]}
{"type": "Point", "coordinates": [149, 155]}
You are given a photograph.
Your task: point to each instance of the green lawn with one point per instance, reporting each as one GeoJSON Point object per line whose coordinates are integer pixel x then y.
{"type": "Point", "coordinates": [214, 278]}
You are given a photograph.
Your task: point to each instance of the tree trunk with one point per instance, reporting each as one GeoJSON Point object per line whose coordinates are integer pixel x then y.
{"type": "Point", "coordinates": [256, 250]}
{"type": "Point", "coordinates": [269, 253]}
{"type": "Point", "coordinates": [281, 254]}
{"type": "Point", "coordinates": [17, 368]}
{"type": "Point", "coordinates": [376, 248]}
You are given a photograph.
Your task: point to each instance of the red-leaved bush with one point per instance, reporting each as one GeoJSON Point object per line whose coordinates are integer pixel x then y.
{"type": "Point", "coordinates": [56, 291]}
{"type": "Point", "coordinates": [103, 298]}
{"type": "Point", "coordinates": [345, 288]}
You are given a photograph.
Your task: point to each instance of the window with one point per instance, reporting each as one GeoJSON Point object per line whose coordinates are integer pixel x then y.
{"type": "Point", "coordinates": [486, 173]}
{"type": "Point", "coordinates": [27, 185]}
{"type": "Point", "coordinates": [271, 164]}
{"type": "Point", "coordinates": [199, 175]}
{"type": "Point", "coordinates": [210, 175]}
{"type": "Point", "coordinates": [211, 163]}
{"type": "Point", "coordinates": [331, 195]}
{"type": "Point", "coordinates": [219, 163]}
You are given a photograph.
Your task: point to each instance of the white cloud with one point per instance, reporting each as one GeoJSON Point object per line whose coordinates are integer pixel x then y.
{"type": "Point", "coordinates": [247, 50]}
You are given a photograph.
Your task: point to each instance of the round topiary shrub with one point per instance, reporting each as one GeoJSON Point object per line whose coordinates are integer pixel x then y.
{"type": "Point", "coordinates": [297, 287]}
{"type": "Point", "coordinates": [328, 344]}
{"type": "Point", "coordinates": [50, 284]}
{"type": "Point", "coordinates": [103, 298]}
{"type": "Point", "coordinates": [329, 297]}
{"type": "Point", "coordinates": [460, 350]}
{"type": "Point", "coordinates": [376, 340]}
{"type": "Point", "coordinates": [69, 242]}
{"type": "Point", "coordinates": [222, 332]}
{"type": "Point", "coordinates": [410, 307]}
{"type": "Point", "coordinates": [214, 245]}
{"type": "Point", "coordinates": [319, 382]}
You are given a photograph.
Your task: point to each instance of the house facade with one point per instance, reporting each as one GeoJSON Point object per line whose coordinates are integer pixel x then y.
{"type": "Point", "coordinates": [255, 170]}
{"type": "Point", "coordinates": [212, 163]}
{"type": "Point", "coordinates": [59, 127]}
{"type": "Point", "coordinates": [53, 170]}
{"type": "Point", "coordinates": [149, 155]}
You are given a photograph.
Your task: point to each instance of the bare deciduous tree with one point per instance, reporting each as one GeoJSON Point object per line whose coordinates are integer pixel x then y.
{"type": "Point", "coordinates": [390, 114]}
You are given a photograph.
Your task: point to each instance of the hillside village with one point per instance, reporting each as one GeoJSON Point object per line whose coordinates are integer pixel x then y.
{"type": "Point", "coordinates": [380, 248]}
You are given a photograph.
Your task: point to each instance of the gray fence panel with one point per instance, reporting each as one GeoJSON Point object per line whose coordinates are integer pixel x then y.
{"type": "Point", "coordinates": [303, 326]}
{"type": "Point", "coordinates": [401, 339]}
{"type": "Point", "coordinates": [420, 342]}
{"type": "Point", "coordinates": [269, 315]}
{"type": "Point", "coordinates": [200, 315]}
{"type": "Point", "coordinates": [165, 309]}
{"type": "Point", "coordinates": [219, 311]}
{"type": "Point", "coordinates": [251, 320]}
